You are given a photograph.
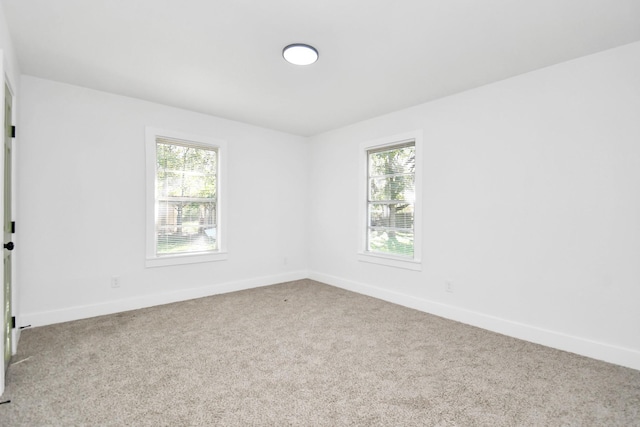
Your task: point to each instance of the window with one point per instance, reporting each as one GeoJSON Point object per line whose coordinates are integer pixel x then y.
{"type": "Point", "coordinates": [390, 205]}
{"type": "Point", "coordinates": [184, 203]}
{"type": "Point", "coordinates": [391, 230]}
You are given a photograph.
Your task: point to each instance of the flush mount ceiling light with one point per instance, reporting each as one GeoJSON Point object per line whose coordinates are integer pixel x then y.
{"type": "Point", "coordinates": [300, 54]}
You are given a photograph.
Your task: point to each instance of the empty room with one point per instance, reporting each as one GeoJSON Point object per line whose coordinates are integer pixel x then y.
{"type": "Point", "coordinates": [320, 213]}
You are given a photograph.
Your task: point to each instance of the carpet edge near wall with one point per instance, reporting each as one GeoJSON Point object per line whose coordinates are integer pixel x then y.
{"type": "Point", "coordinates": [50, 317]}
{"type": "Point", "coordinates": [596, 350]}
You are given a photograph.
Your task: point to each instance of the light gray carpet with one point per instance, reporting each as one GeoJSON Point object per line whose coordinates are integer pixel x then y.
{"type": "Point", "coordinates": [306, 354]}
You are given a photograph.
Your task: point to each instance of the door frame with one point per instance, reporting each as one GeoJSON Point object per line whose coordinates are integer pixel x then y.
{"type": "Point", "coordinates": [15, 332]}
{"type": "Point", "coordinates": [7, 309]}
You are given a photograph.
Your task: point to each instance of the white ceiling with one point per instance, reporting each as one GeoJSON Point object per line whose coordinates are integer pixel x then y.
{"type": "Point", "coordinates": [223, 57]}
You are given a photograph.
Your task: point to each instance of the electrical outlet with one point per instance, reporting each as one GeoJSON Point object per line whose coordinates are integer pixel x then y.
{"type": "Point", "coordinates": [448, 286]}
{"type": "Point", "coordinates": [115, 281]}
{"type": "Point", "coordinates": [286, 261]}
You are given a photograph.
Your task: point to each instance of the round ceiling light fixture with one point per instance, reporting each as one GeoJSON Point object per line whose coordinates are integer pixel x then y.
{"type": "Point", "coordinates": [300, 54]}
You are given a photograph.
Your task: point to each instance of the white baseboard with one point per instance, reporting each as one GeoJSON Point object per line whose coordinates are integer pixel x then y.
{"type": "Point", "coordinates": [596, 350]}
{"type": "Point", "coordinates": [584, 347]}
{"type": "Point", "coordinates": [117, 306]}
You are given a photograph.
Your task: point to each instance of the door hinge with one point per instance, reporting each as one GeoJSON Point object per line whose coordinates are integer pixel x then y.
{"type": "Point", "coordinates": [13, 227]}
{"type": "Point", "coordinates": [13, 131]}
{"type": "Point", "coordinates": [13, 322]}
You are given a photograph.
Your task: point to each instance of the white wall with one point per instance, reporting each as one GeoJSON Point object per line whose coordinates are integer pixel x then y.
{"type": "Point", "coordinates": [531, 207]}
{"type": "Point", "coordinates": [82, 217]}
{"type": "Point", "coordinates": [10, 62]}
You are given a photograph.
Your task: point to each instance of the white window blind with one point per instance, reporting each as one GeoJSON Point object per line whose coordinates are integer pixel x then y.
{"type": "Point", "coordinates": [391, 199]}
{"type": "Point", "coordinates": [186, 197]}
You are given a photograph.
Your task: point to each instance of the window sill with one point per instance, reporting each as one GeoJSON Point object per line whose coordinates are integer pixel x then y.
{"type": "Point", "coordinates": [390, 261]}
{"type": "Point", "coordinates": [185, 259]}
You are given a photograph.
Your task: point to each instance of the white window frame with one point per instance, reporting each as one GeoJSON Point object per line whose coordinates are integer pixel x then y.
{"type": "Point", "coordinates": [152, 259]}
{"type": "Point", "coordinates": [410, 263]}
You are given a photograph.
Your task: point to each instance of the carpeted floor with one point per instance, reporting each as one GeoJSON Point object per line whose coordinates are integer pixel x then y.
{"type": "Point", "coordinates": [305, 354]}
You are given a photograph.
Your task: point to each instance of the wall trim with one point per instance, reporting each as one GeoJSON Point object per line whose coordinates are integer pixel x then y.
{"type": "Point", "coordinates": [596, 350]}
{"type": "Point", "coordinates": [44, 318]}
{"type": "Point", "coordinates": [573, 344]}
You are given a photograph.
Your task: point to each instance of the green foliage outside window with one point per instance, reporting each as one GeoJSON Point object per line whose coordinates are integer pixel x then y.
{"type": "Point", "coordinates": [391, 199]}
{"type": "Point", "coordinates": [186, 197]}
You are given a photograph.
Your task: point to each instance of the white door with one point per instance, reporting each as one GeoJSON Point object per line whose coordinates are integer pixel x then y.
{"type": "Point", "coordinates": [8, 244]}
